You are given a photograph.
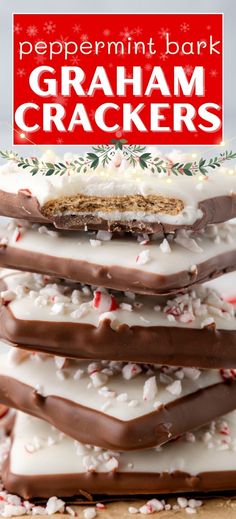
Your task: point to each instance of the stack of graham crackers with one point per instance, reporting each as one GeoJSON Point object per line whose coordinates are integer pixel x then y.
{"type": "Point", "coordinates": [122, 356]}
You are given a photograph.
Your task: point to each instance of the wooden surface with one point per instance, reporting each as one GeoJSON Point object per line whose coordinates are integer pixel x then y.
{"type": "Point", "coordinates": [211, 509]}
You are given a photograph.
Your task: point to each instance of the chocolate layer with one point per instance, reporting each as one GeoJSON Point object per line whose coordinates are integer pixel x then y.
{"type": "Point", "coordinates": [92, 427]}
{"type": "Point", "coordinates": [115, 483]}
{"type": "Point", "coordinates": [215, 210]}
{"type": "Point", "coordinates": [205, 348]}
{"type": "Point", "coordinates": [114, 276]}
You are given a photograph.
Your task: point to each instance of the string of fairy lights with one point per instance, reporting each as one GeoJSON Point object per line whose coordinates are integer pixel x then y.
{"type": "Point", "coordinates": [194, 155]}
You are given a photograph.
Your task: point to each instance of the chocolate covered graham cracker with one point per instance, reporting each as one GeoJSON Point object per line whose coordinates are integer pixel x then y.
{"type": "Point", "coordinates": [118, 200]}
{"type": "Point", "coordinates": [141, 264]}
{"type": "Point", "coordinates": [196, 328]}
{"type": "Point", "coordinates": [43, 463]}
{"type": "Point", "coordinates": [121, 406]}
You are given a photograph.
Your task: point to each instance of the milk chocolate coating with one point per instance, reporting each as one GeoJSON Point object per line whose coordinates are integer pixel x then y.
{"type": "Point", "coordinates": [166, 345]}
{"type": "Point", "coordinates": [215, 210]}
{"type": "Point", "coordinates": [115, 483]}
{"type": "Point", "coordinates": [114, 276]}
{"type": "Point", "coordinates": [95, 428]}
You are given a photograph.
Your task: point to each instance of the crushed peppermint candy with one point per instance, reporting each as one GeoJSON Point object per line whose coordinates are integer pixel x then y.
{"type": "Point", "coordinates": [143, 257]}
{"type": "Point", "coordinates": [45, 230]}
{"type": "Point", "coordinates": [165, 247]}
{"type": "Point", "coordinates": [17, 234]}
{"type": "Point", "coordinates": [70, 511]}
{"type": "Point", "coordinates": [7, 296]}
{"type": "Point", "coordinates": [209, 321]}
{"type": "Point", "coordinates": [89, 513]}
{"type": "Point", "coordinates": [183, 237]}
{"type": "Point", "coordinates": [131, 370]}
{"type": "Point", "coordinates": [54, 505]}
{"type": "Point", "coordinates": [95, 243]}
{"type": "Point", "coordinates": [60, 362]}
{"type": "Point", "coordinates": [154, 505]}
{"type": "Point", "coordinates": [150, 389]}
{"type": "Point", "coordinates": [112, 464]}
{"type": "Point", "coordinates": [25, 191]}
{"type": "Point", "coordinates": [200, 304]}
{"type": "Point", "coordinates": [175, 388]}
{"type": "Point", "coordinates": [104, 302]}
{"type": "Point", "coordinates": [12, 506]}
{"type": "Point", "coordinates": [98, 379]}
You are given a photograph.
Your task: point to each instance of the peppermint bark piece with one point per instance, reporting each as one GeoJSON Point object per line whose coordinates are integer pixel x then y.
{"type": "Point", "coordinates": [140, 264]}
{"type": "Point", "coordinates": [43, 463]}
{"type": "Point", "coordinates": [114, 405]}
{"type": "Point", "coordinates": [125, 198]}
{"type": "Point", "coordinates": [196, 328]}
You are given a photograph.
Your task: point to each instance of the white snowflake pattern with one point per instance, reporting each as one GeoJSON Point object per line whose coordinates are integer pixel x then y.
{"type": "Point", "coordinates": [40, 59]}
{"type": "Point", "coordinates": [148, 55]}
{"type": "Point", "coordinates": [213, 73]}
{"type": "Point", "coordinates": [119, 134]}
{"type": "Point", "coordinates": [63, 39]}
{"type": "Point", "coordinates": [59, 140]}
{"type": "Point", "coordinates": [163, 32]}
{"type": "Point", "coordinates": [74, 60]}
{"type": "Point", "coordinates": [137, 31]}
{"type": "Point", "coordinates": [106, 32]}
{"type": "Point", "coordinates": [20, 72]}
{"type": "Point", "coordinates": [49, 27]}
{"type": "Point", "coordinates": [184, 27]}
{"type": "Point", "coordinates": [148, 66]}
{"type": "Point", "coordinates": [84, 37]}
{"type": "Point", "coordinates": [76, 28]}
{"type": "Point", "coordinates": [208, 27]}
{"type": "Point", "coordinates": [17, 28]}
{"type": "Point", "coordinates": [61, 100]}
{"type": "Point", "coordinates": [126, 33]}
{"type": "Point", "coordinates": [163, 56]}
{"type": "Point", "coordinates": [188, 69]}
{"type": "Point", "coordinates": [32, 30]}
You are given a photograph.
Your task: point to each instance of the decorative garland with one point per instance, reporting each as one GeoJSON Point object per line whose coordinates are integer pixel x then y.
{"type": "Point", "coordinates": [133, 154]}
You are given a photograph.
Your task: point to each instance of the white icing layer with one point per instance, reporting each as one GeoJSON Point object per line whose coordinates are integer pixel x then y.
{"type": "Point", "coordinates": [39, 449]}
{"type": "Point", "coordinates": [122, 390]}
{"type": "Point", "coordinates": [124, 181]}
{"type": "Point", "coordinates": [36, 297]}
{"type": "Point", "coordinates": [183, 253]}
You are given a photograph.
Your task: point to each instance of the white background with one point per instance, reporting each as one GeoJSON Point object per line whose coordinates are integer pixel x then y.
{"type": "Point", "coordinates": [228, 7]}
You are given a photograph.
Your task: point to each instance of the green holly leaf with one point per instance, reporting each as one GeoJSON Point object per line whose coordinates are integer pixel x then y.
{"type": "Point", "coordinates": [95, 163]}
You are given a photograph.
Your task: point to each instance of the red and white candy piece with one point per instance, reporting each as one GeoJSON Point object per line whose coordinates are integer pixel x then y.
{"type": "Point", "coordinates": [25, 191]}
{"type": "Point", "coordinates": [3, 411]}
{"type": "Point", "coordinates": [104, 302]}
{"type": "Point", "coordinates": [6, 418]}
{"type": "Point", "coordinates": [17, 235]}
{"type": "Point", "coordinates": [228, 374]}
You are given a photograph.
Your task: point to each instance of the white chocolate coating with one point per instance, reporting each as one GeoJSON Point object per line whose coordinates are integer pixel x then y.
{"type": "Point", "coordinates": [124, 181]}
{"type": "Point", "coordinates": [123, 252]}
{"type": "Point", "coordinates": [99, 385]}
{"type": "Point", "coordinates": [39, 449]}
{"type": "Point", "coordinates": [36, 297]}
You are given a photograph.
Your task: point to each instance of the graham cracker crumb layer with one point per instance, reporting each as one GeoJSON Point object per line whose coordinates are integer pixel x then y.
{"type": "Point", "coordinates": [153, 204]}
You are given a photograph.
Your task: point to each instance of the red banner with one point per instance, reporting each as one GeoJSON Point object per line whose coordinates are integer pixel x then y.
{"type": "Point", "coordinates": [88, 78]}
